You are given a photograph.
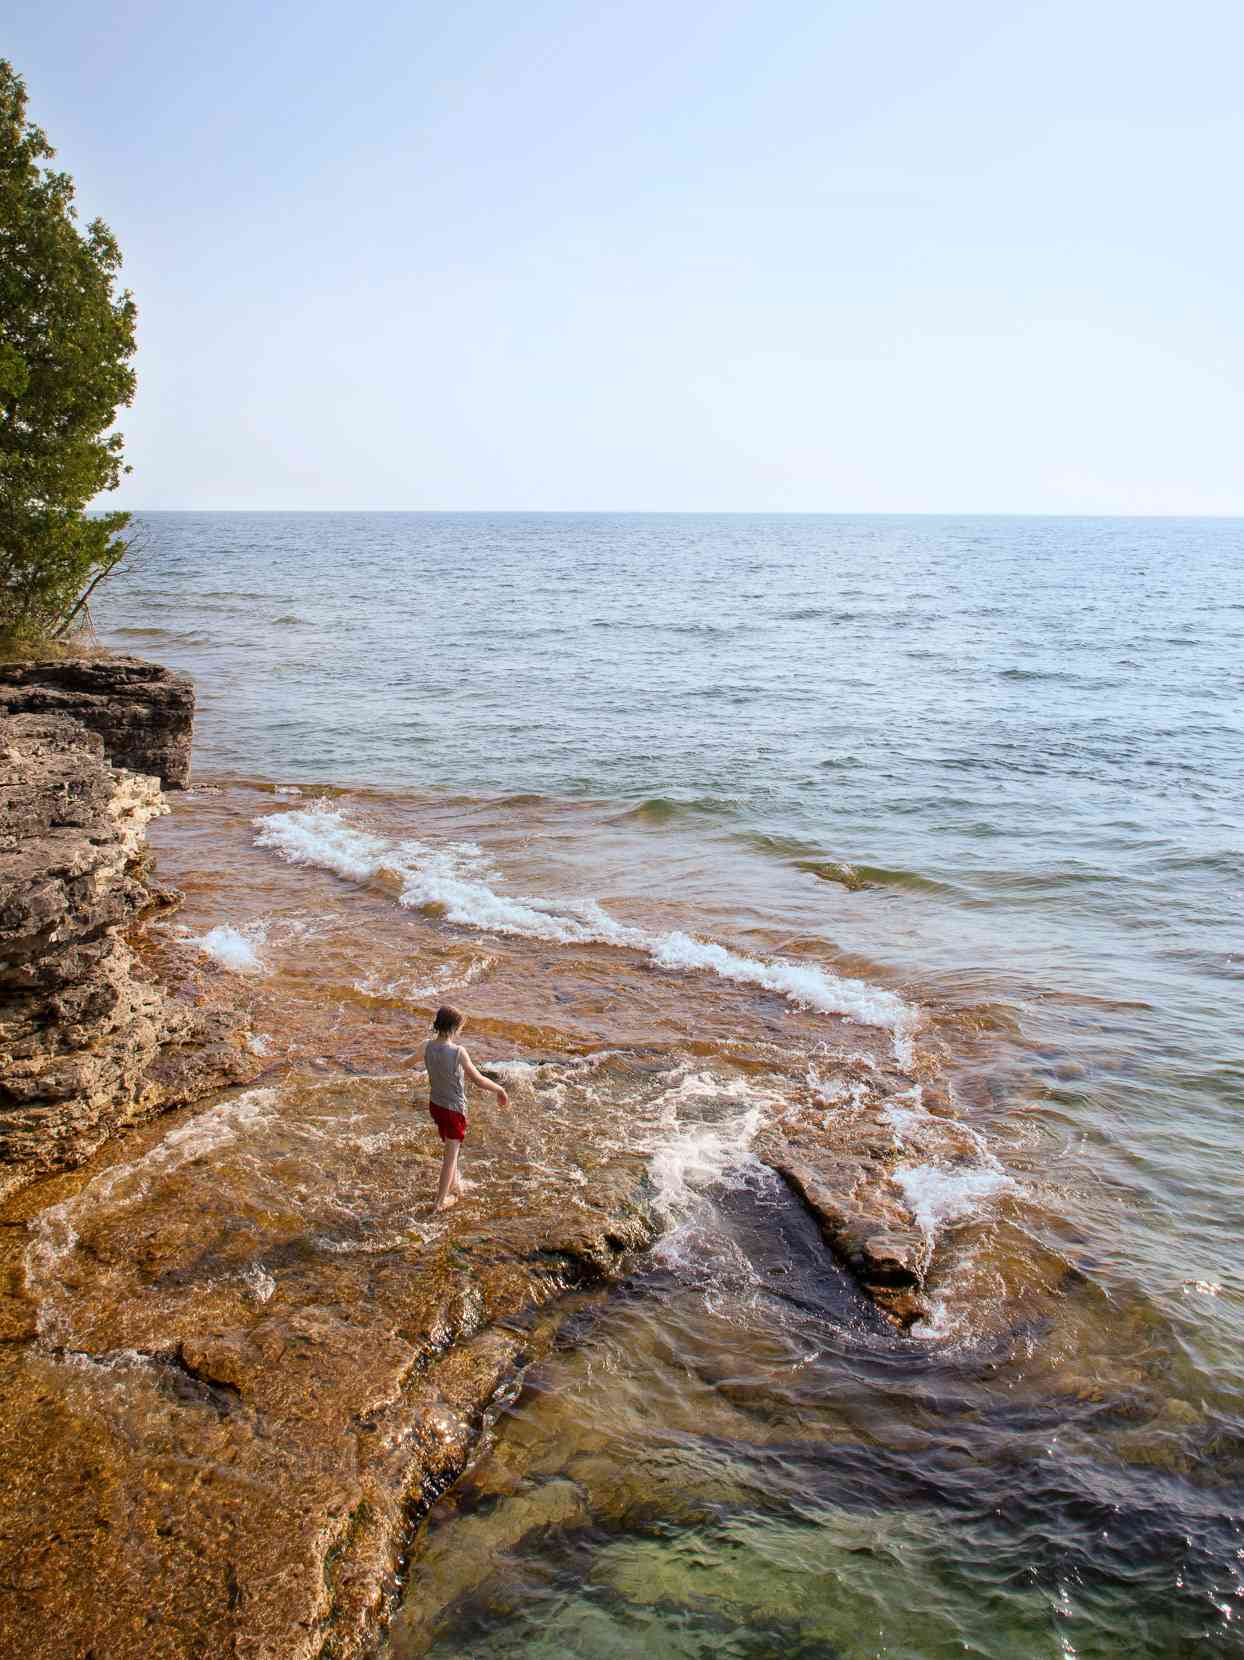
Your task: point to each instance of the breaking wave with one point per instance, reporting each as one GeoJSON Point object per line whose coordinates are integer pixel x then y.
{"type": "Point", "coordinates": [456, 881]}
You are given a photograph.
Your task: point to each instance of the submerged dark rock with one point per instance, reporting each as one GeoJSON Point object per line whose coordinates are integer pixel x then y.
{"type": "Point", "coordinates": [863, 1225]}
{"type": "Point", "coordinates": [142, 712]}
{"type": "Point", "coordinates": [847, 1165]}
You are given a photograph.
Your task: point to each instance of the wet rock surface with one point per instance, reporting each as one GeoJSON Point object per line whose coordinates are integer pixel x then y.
{"type": "Point", "coordinates": [142, 712]}
{"type": "Point", "coordinates": [242, 1357]}
{"type": "Point", "coordinates": [842, 1165]}
{"type": "Point", "coordinates": [251, 1354]}
{"type": "Point", "coordinates": [88, 1043]}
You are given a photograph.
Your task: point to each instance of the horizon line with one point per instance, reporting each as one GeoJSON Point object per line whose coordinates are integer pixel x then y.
{"type": "Point", "coordinates": [689, 512]}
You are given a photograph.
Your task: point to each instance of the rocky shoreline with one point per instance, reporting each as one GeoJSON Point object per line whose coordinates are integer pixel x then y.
{"type": "Point", "coordinates": [331, 1409]}
{"type": "Point", "coordinates": [222, 1422]}
{"type": "Point", "coordinates": [89, 1045]}
{"type": "Point", "coordinates": [225, 1401]}
{"type": "Point", "coordinates": [142, 713]}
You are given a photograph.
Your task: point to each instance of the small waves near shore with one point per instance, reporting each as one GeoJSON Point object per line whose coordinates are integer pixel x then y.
{"type": "Point", "coordinates": [457, 881]}
{"type": "Point", "coordinates": [726, 827]}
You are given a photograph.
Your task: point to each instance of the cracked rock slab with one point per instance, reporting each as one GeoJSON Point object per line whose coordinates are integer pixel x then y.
{"type": "Point", "coordinates": [142, 713]}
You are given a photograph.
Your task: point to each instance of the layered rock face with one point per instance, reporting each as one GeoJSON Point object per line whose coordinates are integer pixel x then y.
{"type": "Point", "coordinates": [86, 1044]}
{"type": "Point", "coordinates": [142, 712]}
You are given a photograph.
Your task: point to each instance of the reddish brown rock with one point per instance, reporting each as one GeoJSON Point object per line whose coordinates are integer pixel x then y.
{"type": "Point", "coordinates": [226, 1393]}
{"type": "Point", "coordinates": [842, 1158]}
{"type": "Point", "coordinates": [903, 1306]}
{"type": "Point", "coordinates": [891, 1260]}
{"type": "Point", "coordinates": [852, 1206]}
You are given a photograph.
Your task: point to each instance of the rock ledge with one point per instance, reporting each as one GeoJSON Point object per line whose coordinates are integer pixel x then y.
{"type": "Point", "coordinates": [87, 1045]}
{"type": "Point", "coordinates": [142, 712]}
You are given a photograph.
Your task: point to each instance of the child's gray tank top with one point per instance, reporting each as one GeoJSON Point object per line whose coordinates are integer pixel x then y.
{"type": "Point", "coordinates": [445, 1085]}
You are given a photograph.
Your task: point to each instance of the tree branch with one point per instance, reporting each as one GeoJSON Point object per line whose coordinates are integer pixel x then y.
{"type": "Point", "coordinates": [63, 627]}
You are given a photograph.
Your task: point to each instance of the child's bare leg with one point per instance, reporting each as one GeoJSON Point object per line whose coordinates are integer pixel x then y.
{"type": "Point", "coordinates": [449, 1171]}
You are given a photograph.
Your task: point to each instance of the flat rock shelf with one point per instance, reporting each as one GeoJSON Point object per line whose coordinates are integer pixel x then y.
{"type": "Point", "coordinates": [252, 1359]}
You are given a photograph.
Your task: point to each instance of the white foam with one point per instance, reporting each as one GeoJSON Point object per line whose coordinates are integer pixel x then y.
{"type": "Point", "coordinates": [935, 1196]}
{"type": "Point", "coordinates": [836, 1092]}
{"type": "Point", "coordinates": [232, 948]}
{"type": "Point", "coordinates": [707, 1127]}
{"type": "Point", "coordinates": [905, 1119]}
{"type": "Point", "coordinates": [372, 985]}
{"type": "Point", "coordinates": [454, 881]}
{"type": "Point", "coordinates": [435, 883]}
{"type": "Point", "coordinates": [111, 1360]}
{"type": "Point", "coordinates": [803, 983]}
{"type": "Point", "coordinates": [941, 1321]}
{"type": "Point", "coordinates": [696, 1159]}
{"type": "Point", "coordinates": [519, 1071]}
{"type": "Point", "coordinates": [450, 978]}
{"type": "Point", "coordinates": [445, 979]}
{"type": "Point", "coordinates": [260, 1282]}
{"type": "Point", "coordinates": [701, 1143]}
{"type": "Point", "coordinates": [905, 1039]}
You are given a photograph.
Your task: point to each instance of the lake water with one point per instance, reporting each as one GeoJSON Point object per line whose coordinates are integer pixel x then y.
{"type": "Point", "coordinates": [709, 782]}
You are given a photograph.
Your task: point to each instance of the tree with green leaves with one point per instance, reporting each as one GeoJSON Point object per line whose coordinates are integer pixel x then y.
{"type": "Point", "coordinates": [66, 341]}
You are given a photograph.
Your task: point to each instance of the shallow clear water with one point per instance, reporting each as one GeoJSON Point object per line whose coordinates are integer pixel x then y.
{"type": "Point", "coordinates": [735, 1455]}
{"type": "Point", "coordinates": [990, 767]}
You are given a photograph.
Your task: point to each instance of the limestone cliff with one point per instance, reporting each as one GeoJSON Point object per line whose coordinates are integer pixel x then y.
{"type": "Point", "coordinates": [142, 712]}
{"type": "Point", "coordinates": [87, 1045]}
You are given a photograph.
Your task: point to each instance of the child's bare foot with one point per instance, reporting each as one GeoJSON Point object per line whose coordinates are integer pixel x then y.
{"type": "Point", "coordinates": [446, 1202]}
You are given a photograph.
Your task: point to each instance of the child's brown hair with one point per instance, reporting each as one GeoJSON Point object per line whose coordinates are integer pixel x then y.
{"type": "Point", "coordinates": [447, 1020]}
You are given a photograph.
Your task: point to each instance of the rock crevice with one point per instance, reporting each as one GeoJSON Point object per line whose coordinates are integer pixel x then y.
{"type": "Point", "coordinates": [843, 1164]}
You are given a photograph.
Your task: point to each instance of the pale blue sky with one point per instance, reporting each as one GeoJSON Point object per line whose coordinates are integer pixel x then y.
{"type": "Point", "coordinates": [964, 256]}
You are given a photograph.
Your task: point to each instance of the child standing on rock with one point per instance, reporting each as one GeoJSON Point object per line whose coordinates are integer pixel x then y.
{"type": "Point", "coordinates": [448, 1066]}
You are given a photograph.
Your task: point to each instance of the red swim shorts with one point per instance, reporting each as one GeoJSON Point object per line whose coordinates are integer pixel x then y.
{"type": "Point", "coordinates": [451, 1124]}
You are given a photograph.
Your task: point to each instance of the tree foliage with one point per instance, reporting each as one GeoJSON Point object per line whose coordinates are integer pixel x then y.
{"type": "Point", "coordinates": [66, 341]}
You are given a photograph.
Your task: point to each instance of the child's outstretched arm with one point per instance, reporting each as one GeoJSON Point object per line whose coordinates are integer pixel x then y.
{"type": "Point", "coordinates": [471, 1071]}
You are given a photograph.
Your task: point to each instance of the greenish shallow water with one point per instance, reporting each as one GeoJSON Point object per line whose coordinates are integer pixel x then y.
{"type": "Point", "coordinates": [735, 1455]}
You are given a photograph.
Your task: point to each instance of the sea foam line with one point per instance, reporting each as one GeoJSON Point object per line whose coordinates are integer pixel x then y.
{"type": "Point", "coordinates": [456, 881]}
